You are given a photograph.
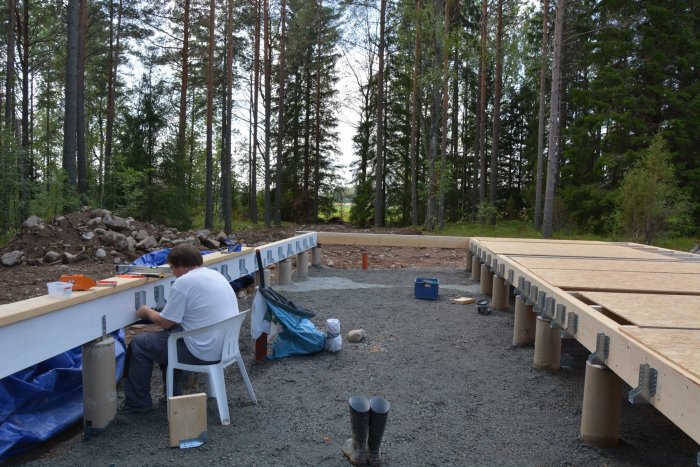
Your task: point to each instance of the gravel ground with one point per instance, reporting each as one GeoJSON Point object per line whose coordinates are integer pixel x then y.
{"type": "Point", "coordinates": [460, 394]}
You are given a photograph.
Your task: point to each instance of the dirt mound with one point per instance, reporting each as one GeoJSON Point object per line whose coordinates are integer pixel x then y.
{"type": "Point", "coordinates": [93, 241]}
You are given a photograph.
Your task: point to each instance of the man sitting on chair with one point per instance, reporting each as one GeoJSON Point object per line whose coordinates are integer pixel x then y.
{"type": "Point", "coordinates": [199, 297]}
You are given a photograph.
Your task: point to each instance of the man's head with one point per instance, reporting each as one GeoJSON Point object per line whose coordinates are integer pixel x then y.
{"type": "Point", "coordinates": [183, 258]}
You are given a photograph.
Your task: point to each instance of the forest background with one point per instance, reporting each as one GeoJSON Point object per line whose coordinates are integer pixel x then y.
{"type": "Point", "coordinates": [570, 116]}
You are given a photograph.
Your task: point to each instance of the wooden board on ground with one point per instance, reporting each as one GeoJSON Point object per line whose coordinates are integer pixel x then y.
{"type": "Point", "coordinates": [592, 264]}
{"type": "Point", "coordinates": [621, 281]}
{"type": "Point", "coordinates": [187, 418]}
{"type": "Point", "coordinates": [574, 250]}
{"type": "Point", "coordinates": [681, 346]}
{"type": "Point", "coordinates": [462, 300]}
{"type": "Point", "coordinates": [651, 310]}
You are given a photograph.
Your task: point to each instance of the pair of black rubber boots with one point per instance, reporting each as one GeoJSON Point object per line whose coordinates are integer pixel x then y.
{"type": "Point", "coordinates": [368, 419]}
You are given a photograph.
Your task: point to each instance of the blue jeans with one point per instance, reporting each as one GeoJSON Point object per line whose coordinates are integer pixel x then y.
{"type": "Point", "coordinates": [144, 350]}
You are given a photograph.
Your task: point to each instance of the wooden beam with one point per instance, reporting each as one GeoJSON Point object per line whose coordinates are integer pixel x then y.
{"type": "Point", "coordinates": [416, 241]}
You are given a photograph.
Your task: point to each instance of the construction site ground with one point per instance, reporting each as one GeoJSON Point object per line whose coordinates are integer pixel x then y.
{"type": "Point", "coordinates": [460, 393]}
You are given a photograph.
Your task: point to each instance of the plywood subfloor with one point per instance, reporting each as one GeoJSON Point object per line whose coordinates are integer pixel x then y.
{"type": "Point", "coordinates": [681, 346]}
{"type": "Point", "coordinates": [651, 310]}
{"type": "Point", "coordinates": [616, 281]}
{"type": "Point", "coordinates": [588, 264]}
{"type": "Point", "coordinates": [574, 250]}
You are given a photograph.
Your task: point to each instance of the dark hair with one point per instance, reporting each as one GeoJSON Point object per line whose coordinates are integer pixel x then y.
{"type": "Point", "coordinates": [185, 255]}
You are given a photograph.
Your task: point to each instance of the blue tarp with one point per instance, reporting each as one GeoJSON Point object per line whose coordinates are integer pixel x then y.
{"type": "Point", "coordinates": [299, 336]}
{"type": "Point", "coordinates": [44, 399]}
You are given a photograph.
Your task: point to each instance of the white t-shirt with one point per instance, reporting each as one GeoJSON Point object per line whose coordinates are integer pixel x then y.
{"type": "Point", "coordinates": [197, 299]}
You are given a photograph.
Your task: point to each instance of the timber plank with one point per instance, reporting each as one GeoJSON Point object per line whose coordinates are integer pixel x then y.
{"type": "Point", "coordinates": [681, 346]}
{"type": "Point", "coordinates": [582, 250]}
{"type": "Point", "coordinates": [417, 241]}
{"type": "Point", "coordinates": [621, 264]}
{"type": "Point", "coordinates": [651, 310]}
{"type": "Point", "coordinates": [615, 281]}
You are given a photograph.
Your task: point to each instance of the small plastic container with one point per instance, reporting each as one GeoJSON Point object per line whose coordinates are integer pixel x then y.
{"type": "Point", "coordinates": [426, 288]}
{"type": "Point", "coordinates": [60, 289]}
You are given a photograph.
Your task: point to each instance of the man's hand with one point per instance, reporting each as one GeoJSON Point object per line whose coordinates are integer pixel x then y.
{"type": "Point", "coordinates": [142, 312]}
{"type": "Point", "coordinates": [146, 312]}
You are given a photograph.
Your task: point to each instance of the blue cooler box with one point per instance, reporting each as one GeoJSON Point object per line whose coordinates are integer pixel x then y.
{"type": "Point", "coordinates": [426, 288]}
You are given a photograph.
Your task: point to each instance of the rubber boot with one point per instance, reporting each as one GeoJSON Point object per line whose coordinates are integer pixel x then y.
{"type": "Point", "coordinates": [378, 414]}
{"type": "Point", "coordinates": [355, 448]}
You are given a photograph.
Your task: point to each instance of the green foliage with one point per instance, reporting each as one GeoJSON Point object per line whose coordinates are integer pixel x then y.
{"type": "Point", "coordinates": [362, 210]}
{"type": "Point", "coordinates": [9, 182]}
{"type": "Point", "coordinates": [648, 200]}
{"type": "Point", "coordinates": [55, 196]}
{"type": "Point", "coordinates": [485, 212]}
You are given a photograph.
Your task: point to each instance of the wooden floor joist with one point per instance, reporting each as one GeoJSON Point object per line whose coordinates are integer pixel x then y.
{"type": "Point", "coordinates": [415, 241]}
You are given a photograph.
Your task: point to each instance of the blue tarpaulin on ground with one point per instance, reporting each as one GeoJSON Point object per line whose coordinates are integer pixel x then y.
{"type": "Point", "coordinates": [40, 401]}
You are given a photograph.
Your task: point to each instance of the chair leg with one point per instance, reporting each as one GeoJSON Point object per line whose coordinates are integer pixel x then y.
{"type": "Point", "coordinates": [169, 378]}
{"type": "Point", "coordinates": [211, 391]}
{"type": "Point", "coordinates": [244, 375]}
{"type": "Point", "coordinates": [217, 378]}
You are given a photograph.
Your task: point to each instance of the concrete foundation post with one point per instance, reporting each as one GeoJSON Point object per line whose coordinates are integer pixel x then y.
{"type": "Point", "coordinates": [476, 268]}
{"type": "Point", "coordinates": [284, 272]}
{"type": "Point", "coordinates": [99, 385]}
{"type": "Point", "coordinates": [499, 295]}
{"type": "Point", "coordinates": [302, 264]}
{"type": "Point", "coordinates": [266, 276]}
{"type": "Point", "coordinates": [316, 256]}
{"type": "Point", "coordinates": [469, 260]}
{"type": "Point", "coordinates": [524, 324]}
{"type": "Point", "coordinates": [547, 346]}
{"type": "Point", "coordinates": [486, 280]}
{"type": "Point", "coordinates": [600, 418]}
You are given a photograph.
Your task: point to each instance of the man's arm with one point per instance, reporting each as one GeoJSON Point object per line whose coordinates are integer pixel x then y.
{"type": "Point", "coordinates": [154, 317]}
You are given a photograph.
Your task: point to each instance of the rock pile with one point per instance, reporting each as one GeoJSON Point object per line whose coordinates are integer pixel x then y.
{"type": "Point", "coordinates": [99, 235]}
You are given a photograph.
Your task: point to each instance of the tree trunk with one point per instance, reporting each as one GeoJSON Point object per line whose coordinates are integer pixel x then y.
{"type": "Point", "coordinates": [268, 104]}
{"type": "Point", "coordinates": [256, 89]}
{"type": "Point", "coordinates": [435, 113]}
{"type": "Point", "coordinates": [80, 118]}
{"type": "Point", "coordinates": [71, 94]}
{"type": "Point", "coordinates": [280, 117]}
{"type": "Point", "coordinates": [542, 115]}
{"type": "Point", "coordinates": [227, 157]}
{"type": "Point", "coordinates": [482, 104]}
{"type": "Point", "coordinates": [496, 109]}
{"type": "Point", "coordinates": [554, 128]}
{"type": "Point", "coordinates": [414, 121]}
{"type": "Point", "coordinates": [181, 149]}
{"type": "Point", "coordinates": [10, 80]}
{"type": "Point", "coordinates": [25, 165]}
{"type": "Point", "coordinates": [317, 125]}
{"type": "Point", "coordinates": [445, 116]}
{"type": "Point", "coordinates": [379, 168]}
{"type": "Point", "coordinates": [209, 183]}
{"type": "Point", "coordinates": [113, 63]}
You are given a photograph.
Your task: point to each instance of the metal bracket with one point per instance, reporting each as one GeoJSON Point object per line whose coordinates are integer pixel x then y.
{"type": "Point", "coordinates": [511, 275]}
{"type": "Point", "coordinates": [488, 261]}
{"type": "Point", "coordinates": [297, 245]}
{"type": "Point", "coordinates": [558, 318]}
{"type": "Point", "coordinates": [646, 389]}
{"type": "Point", "coordinates": [139, 299]}
{"type": "Point", "coordinates": [224, 272]}
{"type": "Point", "coordinates": [533, 293]}
{"type": "Point", "coordinates": [269, 259]}
{"type": "Point", "coordinates": [602, 349]}
{"type": "Point", "coordinates": [241, 267]}
{"type": "Point", "coordinates": [526, 293]}
{"type": "Point", "coordinates": [104, 325]}
{"type": "Point", "coordinates": [501, 270]}
{"type": "Point", "coordinates": [541, 304]}
{"type": "Point", "coordinates": [521, 285]}
{"type": "Point", "coordinates": [548, 307]}
{"type": "Point", "coordinates": [280, 253]}
{"type": "Point", "coordinates": [571, 323]}
{"type": "Point", "coordinates": [159, 295]}
{"type": "Point", "coordinates": [305, 242]}
{"type": "Point", "coordinates": [290, 250]}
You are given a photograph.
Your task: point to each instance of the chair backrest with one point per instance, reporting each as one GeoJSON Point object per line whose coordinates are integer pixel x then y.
{"type": "Point", "coordinates": [233, 331]}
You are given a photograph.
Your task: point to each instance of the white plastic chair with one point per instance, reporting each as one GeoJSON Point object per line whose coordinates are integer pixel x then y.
{"type": "Point", "coordinates": [230, 353]}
